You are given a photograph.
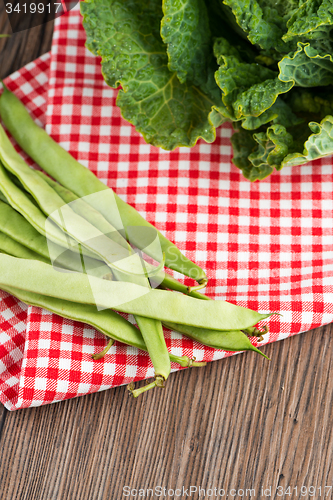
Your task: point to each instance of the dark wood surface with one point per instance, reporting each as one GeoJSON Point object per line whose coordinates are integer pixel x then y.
{"type": "Point", "coordinates": [240, 423]}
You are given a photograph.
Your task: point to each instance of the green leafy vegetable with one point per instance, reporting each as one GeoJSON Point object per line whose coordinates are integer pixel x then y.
{"type": "Point", "coordinates": [186, 66]}
{"type": "Point", "coordinates": [307, 67]}
{"type": "Point", "coordinates": [185, 30]}
{"type": "Point", "coordinates": [167, 112]}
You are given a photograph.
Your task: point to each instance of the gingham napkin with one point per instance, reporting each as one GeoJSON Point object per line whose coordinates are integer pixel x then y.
{"type": "Point", "coordinates": [266, 245]}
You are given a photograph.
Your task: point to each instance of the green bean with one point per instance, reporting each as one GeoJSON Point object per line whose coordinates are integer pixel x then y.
{"type": "Point", "coordinates": [95, 241]}
{"type": "Point", "coordinates": [65, 169]}
{"type": "Point", "coordinates": [108, 322]}
{"type": "Point", "coordinates": [17, 199]}
{"type": "Point", "coordinates": [162, 305]}
{"type": "Point", "coordinates": [152, 333]}
{"type": "Point", "coordinates": [14, 248]}
{"type": "Point", "coordinates": [231, 341]}
{"type": "Point", "coordinates": [17, 227]}
{"type": "Point", "coordinates": [82, 208]}
{"type": "Point", "coordinates": [234, 340]}
{"type": "Point", "coordinates": [3, 198]}
{"type": "Point", "coordinates": [70, 222]}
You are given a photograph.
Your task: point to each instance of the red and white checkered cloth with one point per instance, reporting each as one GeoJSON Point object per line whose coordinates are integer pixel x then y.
{"type": "Point", "coordinates": [266, 245]}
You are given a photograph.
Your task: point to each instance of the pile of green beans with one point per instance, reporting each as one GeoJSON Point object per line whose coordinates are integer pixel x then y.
{"type": "Point", "coordinates": [103, 273]}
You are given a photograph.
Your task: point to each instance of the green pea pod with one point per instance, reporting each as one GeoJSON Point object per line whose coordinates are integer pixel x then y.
{"type": "Point", "coordinates": [67, 171]}
{"type": "Point", "coordinates": [234, 340]}
{"type": "Point", "coordinates": [162, 305]}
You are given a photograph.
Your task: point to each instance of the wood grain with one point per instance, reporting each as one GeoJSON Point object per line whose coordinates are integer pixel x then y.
{"type": "Point", "coordinates": [242, 422]}
{"type": "Point", "coordinates": [21, 48]}
{"type": "Point", "coordinates": [3, 414]}
{"type": "Point", "coordinates": [238, 423]}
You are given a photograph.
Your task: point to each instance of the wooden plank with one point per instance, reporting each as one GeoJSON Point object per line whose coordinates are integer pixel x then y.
{"type": "Point", "coordinates": [238, 423]}
{"type": "Point", "coordinates": [3, 413]}
{"type": "Point", "coordinates": [16, 51]}
{"type": "Point", "coordinates": [21, 48]}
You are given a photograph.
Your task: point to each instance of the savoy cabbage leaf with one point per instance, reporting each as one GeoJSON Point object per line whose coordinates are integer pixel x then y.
{"type": "Point", "coordinates": [307, 67]}
{"type": "Point", "coordinates": [311, 15]}
{"type": "Point", "coordinates": [186, 66]}
{"type": "Point", "coordinates": [165, 111]}
{"type": "Point", "coordinates": [248, 89]}
{"type": "Point", "coordinates": [264, 21]}
{"type": "Point", "coordinates": [185, 30]}
{"type": "Point", "coordinates": [318, 145]}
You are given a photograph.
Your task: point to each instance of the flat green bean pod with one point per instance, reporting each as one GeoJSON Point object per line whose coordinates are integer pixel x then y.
{"type": "Point", "coordinates": [234, 340]}
{"type": "Point", "coordinates": [231, 341]}
{"type": "Point", "coordinates": [17, 199]}
{"type": "Point", "coordinates": [68, 172]}
{"type": "Point", "coordinates": [14, 248]}
{"type": "Point", "coordinates": [82, 208]}
{"type": "Point", "coordinates": [108, 322]}
{"type": "Point", "coordinates": [73, 225]}
{"type": "Point", "coordinates": [163, 305]}
{"type": "Point", "coordinates": [17, 227]}
{"type": "Point", "coordinates": [128, 268]}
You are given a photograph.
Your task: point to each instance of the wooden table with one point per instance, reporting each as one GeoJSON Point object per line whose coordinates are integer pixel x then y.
{"type": "Point", "coordinates": [241, 423]}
